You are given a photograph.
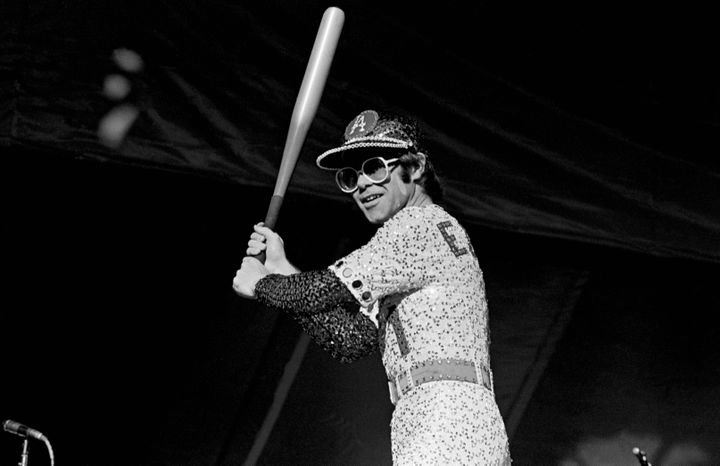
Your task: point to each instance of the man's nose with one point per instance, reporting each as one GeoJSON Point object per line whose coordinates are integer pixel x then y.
{"type": "Point", "coordinates": [362, 182]}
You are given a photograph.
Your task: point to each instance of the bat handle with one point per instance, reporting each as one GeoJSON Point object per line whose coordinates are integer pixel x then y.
{"type": "Point", "coordinates": [271, 219]}
{"type": "Point", "coordinates": [273, 211]}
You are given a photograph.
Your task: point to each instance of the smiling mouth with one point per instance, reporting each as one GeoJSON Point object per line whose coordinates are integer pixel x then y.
{"type": "Point", "coordinates": [371, 198]}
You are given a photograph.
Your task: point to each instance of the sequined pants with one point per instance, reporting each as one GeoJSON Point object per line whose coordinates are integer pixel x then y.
{"type": "Point", "coordinates": [448, 423]}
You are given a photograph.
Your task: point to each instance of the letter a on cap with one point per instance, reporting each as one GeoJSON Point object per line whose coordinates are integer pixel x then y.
{"type": "Point", "coordinates": [361, 125]}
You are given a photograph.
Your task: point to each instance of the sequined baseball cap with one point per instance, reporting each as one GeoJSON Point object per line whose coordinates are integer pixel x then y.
{"type": "Point", "coordinates": [372, 132]}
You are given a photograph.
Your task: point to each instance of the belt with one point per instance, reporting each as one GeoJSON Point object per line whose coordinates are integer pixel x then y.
{"type": "Point", "coordinates": [434, 370]}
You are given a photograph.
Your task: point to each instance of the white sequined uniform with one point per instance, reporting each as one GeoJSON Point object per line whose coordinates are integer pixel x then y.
{"type": "Point", "coordinates": [418, 278]}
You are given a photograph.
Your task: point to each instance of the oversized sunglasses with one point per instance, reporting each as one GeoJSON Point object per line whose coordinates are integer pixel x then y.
{"type": "Point", "coordinates": [375, 170]}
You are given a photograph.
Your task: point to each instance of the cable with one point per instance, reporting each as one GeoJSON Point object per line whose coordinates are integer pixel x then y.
{"type": "Point", "coordinates": [50, 451]}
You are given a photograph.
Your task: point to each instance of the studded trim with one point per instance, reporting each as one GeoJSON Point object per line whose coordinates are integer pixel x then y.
{"type": "Point", "coordinates": [364, 142]}
{"type": "Point", "coordinates": [325, 309]}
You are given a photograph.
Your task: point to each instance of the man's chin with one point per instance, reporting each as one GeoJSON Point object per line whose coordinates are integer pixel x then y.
{"type": "Point", "coordinates": [375, 217]}
{"type": "Point", "coordinates": [376, 213]}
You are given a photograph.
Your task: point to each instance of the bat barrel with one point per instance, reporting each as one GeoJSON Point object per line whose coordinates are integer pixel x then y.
{"type": "Point", "coordinates": [310, 93]}
{"type": "Point", "coordinates": [306, 105]}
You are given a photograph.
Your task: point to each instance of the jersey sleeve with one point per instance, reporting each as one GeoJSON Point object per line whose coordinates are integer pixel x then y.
{"type": "Point", "coordinates": [398, 258]}
{"type": "Point", "coordinates": [348, 335]}
{"type": "Point", "coordinates": [324, 308]}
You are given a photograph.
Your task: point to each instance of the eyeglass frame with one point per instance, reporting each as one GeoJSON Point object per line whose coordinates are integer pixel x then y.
{"type": "Point", "coordinates": [385, 161]}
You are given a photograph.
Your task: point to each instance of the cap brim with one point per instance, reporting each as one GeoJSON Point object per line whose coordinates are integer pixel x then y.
{"type": "Point", "coordinates": [353, 154]}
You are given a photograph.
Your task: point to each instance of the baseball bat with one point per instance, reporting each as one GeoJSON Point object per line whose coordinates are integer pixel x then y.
{"type": "Point", "coordinates": [306, 106]}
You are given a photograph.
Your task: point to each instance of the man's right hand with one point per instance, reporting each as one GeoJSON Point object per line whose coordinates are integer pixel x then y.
{"type": "Point", "coordinates": [264, 239]}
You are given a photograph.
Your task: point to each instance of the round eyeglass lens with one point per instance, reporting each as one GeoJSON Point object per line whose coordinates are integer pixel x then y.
{"type": "Point", "coordinates": [347, 179]}
{"type": "Point", "coordinates": [375, 169]}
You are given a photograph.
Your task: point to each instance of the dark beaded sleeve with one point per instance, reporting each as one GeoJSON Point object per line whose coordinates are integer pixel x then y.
{"type": "Point", "coordinates": [324, 308]}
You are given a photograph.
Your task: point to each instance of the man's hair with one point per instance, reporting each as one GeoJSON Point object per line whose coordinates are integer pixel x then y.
{"type": "Point", "coordinates": [429, 180]}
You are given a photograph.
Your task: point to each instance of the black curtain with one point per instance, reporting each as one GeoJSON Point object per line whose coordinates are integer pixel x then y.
{"type": "Point", "coordinates": [578, 147]}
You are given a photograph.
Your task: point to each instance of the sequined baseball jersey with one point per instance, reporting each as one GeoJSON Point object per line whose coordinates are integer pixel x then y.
{"type": "Point", "coordinates": [419, 282]}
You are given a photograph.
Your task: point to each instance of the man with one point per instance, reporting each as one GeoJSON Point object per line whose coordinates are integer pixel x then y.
{"type": "Point", "coordinates": [415, 292]}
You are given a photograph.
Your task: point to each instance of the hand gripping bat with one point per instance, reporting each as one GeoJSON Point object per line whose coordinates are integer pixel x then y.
{"type": "Point", "coordinates": [306, 106]}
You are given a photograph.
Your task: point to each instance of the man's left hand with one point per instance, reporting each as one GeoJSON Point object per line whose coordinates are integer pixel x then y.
{"type": "Point", "coordinates": [251, 271]}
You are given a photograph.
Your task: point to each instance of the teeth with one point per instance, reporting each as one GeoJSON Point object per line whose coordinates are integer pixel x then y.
{"type": "Point", "coordinates": [371, 198]}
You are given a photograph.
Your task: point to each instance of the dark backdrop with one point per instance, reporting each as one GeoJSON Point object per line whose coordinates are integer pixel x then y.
{"type": "Point", "coordinates": [579, 148]}
{"type": "Point", "coordinates": [125, 344]}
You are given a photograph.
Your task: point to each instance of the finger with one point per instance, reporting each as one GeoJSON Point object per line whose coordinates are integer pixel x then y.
{"type": "Point", "coordinates": [264, 231]}
{"type": "Point", "coordinates": [259, 245]}
{"type": "Point", "coordinates": [248, 260]}
{"type": "Point", "coordinates": [253, 251]}
{"type": "Point", "coordinates": [257, 236]}
{"type": "Point", "coordinates": [237, 282]}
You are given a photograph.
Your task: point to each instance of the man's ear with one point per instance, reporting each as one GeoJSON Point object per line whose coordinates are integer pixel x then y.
{"type": "Point", "coordinates": [419, 168]}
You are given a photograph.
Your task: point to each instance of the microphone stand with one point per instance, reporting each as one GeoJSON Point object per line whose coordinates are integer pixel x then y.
{"type": "Point", "coordinates": [641, 457]}
{"type": "Point", "coordinates": [25, 432]}
{"type": "Point", "coordinates": [24, 455]}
